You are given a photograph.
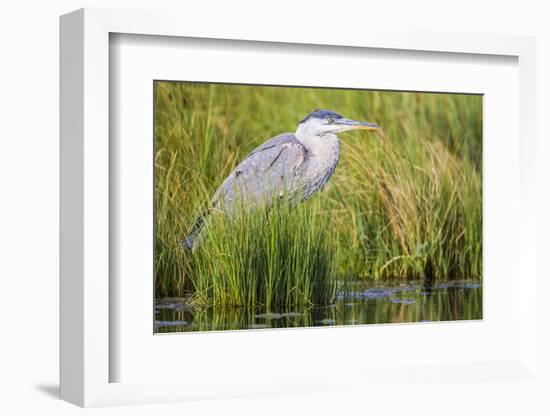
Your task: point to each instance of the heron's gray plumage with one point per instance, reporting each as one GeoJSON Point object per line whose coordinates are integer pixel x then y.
{"type": "Point", "coordinates": [270, 170]}
{"type": "Point", "coordinates": [291, 165]}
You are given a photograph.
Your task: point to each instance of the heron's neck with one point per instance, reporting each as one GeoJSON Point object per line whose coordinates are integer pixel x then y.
{"type": "Point", "coordinates": [320, 146]}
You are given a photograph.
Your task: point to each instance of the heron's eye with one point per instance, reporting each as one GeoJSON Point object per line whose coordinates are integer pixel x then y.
{"type": "Point", "coordinates": [330, 120]}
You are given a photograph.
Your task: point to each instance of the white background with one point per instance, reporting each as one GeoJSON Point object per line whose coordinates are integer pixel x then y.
{"type": "Point", "coordinates": [137, 61]}
{"type": "Point", "coordinates": [29, 206]}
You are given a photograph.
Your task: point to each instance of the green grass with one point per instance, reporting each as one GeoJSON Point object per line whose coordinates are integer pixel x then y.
{"type": "Point", "coordinates": [260, 256]}
{"type": "Point", "coordinates": [402, 205]}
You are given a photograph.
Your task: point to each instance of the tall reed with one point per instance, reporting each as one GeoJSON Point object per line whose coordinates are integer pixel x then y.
{"type": "Point", "coordinates": [271, 256]}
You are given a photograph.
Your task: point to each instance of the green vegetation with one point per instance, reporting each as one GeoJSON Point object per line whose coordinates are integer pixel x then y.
{"type": "Point", "coordinates": [271, 257]}
{"type": "Point", "coordinates": [402, 205]}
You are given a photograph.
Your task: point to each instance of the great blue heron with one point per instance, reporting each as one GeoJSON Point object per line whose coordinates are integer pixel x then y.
{"type": "Point", "coordinates": [290, 165]}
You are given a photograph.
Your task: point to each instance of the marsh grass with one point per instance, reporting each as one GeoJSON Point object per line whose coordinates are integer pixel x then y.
{"type": "Point", "coordinates": [402, 205]}
{"type": "Point", "coordinates": [274, 256]}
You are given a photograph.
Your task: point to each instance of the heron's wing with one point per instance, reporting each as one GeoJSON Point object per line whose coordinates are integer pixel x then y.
{"type": "Point", "coordinates": [270, 170]}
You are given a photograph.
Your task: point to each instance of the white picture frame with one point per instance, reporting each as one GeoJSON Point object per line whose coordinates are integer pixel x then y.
{"type": "Point", "coordinates": [86, 355]}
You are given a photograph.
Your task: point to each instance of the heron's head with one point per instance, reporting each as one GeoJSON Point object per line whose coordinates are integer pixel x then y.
{"type": "Point", "coordinates": [321, 122]}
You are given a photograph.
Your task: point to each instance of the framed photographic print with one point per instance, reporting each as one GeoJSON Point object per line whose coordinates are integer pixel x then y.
{"type": "Point", "coordinates": [270, 214]}
{"type": "Point", "coordinates": [315, 226]}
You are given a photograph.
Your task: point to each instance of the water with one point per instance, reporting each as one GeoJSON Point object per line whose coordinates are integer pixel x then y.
{"type": "Point", "coordinates": [361, 304]}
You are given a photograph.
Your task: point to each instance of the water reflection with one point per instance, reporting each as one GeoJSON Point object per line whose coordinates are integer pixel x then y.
{"type": "Point", "coordinates": [358, 304]}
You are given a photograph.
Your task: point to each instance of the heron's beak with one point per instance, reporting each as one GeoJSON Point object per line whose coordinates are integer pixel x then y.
{"type": "Point", "coordinates": [354, 124]}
